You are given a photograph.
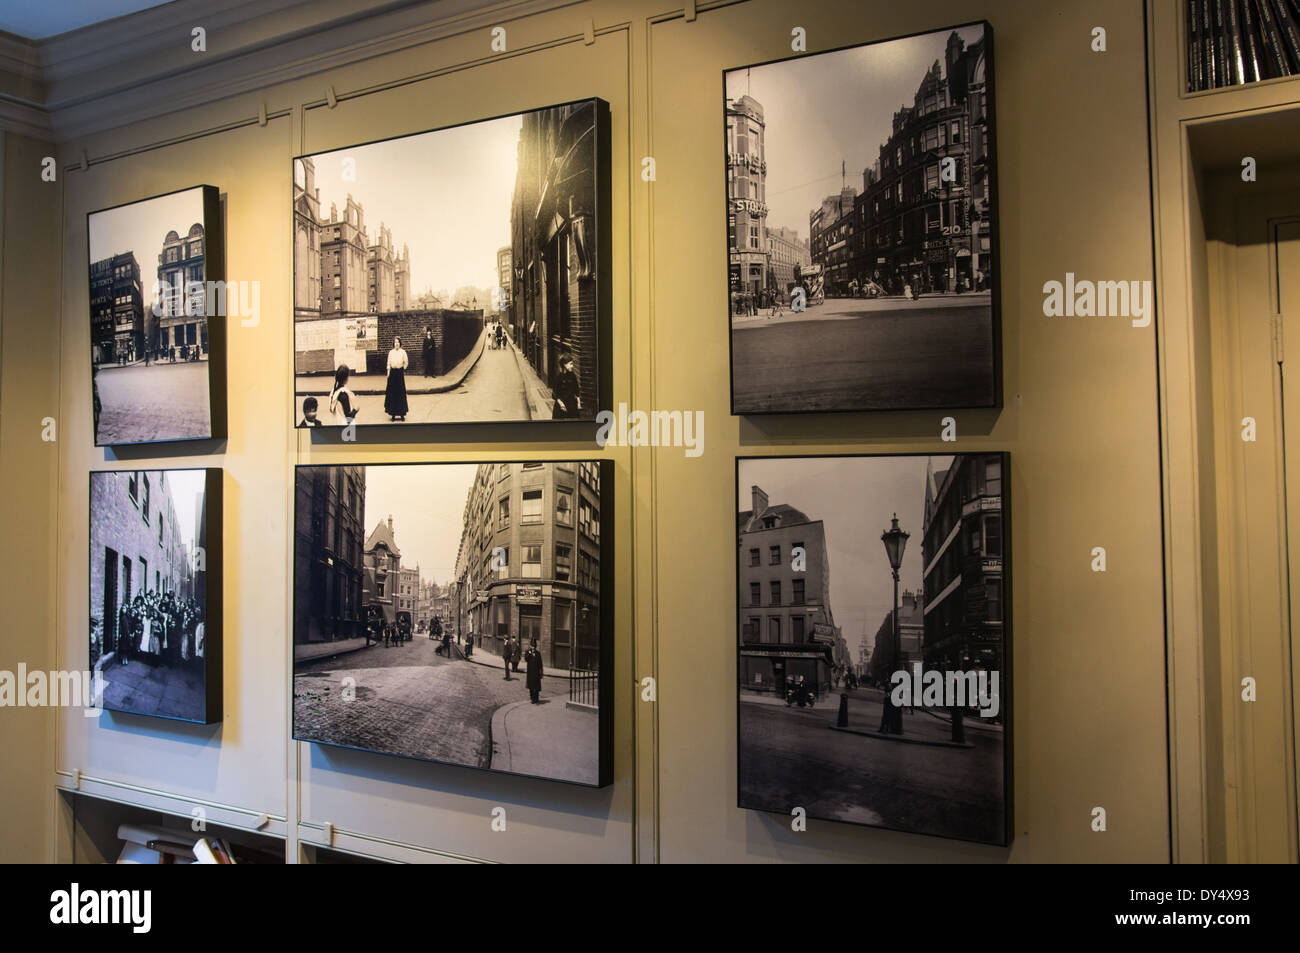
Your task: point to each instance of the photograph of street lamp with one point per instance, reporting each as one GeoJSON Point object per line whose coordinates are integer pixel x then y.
{"type": "Point", "coordinates": [862, 227]}
{"type": "Point", "coordinates": [454, 276]}
{"type": "Point", "coordinates": [873, 639]}
{"type": "Point", "coordinates": [458, 613]}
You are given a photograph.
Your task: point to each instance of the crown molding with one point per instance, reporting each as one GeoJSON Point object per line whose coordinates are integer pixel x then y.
{"type": "Point", "coordinates": [141, 66]}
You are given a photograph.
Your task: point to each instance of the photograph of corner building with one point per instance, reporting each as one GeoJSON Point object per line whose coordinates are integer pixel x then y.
{"type": "Point", "coordinates": [467, 599]}
{"type": "Point", "coordinates": [888, 301]}
{"type": "Point", "coordinates": [152, 366]}
{"type": "Point", "coordinates": [453, 275]}
{"type": "Point", "coordinates": [155, 592]}
{"type": "Point", "coordinates": [849, 570]}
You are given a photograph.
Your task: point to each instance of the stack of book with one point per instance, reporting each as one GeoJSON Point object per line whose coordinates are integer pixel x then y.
{"type": "Point", "coordinates": [1230, 42]}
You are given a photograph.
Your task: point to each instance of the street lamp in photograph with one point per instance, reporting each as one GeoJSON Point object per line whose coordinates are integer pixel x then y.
{"type": "Point", "coordinates": [895, 540]}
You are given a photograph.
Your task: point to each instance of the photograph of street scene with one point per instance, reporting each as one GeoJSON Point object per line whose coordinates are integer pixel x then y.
{"type": "Point", "coordinates": [850, 570]}
{"type": "Point", "coordinates": [148, 320]}
{"type": "Point", "coordinates": [452, 612]}
{"type": "Point", "coordinates": [150, 635]}
{"type": "Point", "coordinates": [884, 152]}
{"type": "Point", "coordinates": [451, 276]}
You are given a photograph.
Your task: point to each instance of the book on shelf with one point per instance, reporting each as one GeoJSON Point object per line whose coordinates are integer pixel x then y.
{"type": "Point", "coordinates": [1232, 42]}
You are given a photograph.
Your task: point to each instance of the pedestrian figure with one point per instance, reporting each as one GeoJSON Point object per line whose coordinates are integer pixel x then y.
{"type": "Point", "coordinates": [517, 654]}
{"type": "Point", "coordinates": [343, 403]}
{"type": "Point", "coordinates": [310, 406]}
{"type": "Point", "coordinates": [567, 402]}
{"type": "Point", "coordinates": [430, 351]}
{"type": "Point", "coordinates": [395, 395]}
{"type": "Point", "coordinates": [507, 653]}
{"type": "Point", "coordinates": [534, 666]}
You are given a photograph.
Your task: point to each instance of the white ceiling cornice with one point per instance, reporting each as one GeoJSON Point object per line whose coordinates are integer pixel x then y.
{"type": "Point", "coordinates": [142, 65]}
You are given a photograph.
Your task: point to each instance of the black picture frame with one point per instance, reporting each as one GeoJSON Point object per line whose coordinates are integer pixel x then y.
{"type": "Point", "coordinates": [167, 669]}
{"type": "Point", "coordinates": [936, 392]}
{"type": "Point", "coordinates": [852, 757]}
{"type": "Point", "coordinates": [145, 338]}
{"type": "Point", "coordinates": [308, 553]}
{"type": "Point", "coordinates": [593, 360]}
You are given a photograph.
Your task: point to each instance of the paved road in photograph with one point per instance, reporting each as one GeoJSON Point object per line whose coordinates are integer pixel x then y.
{"type": "Point", "coordinates": [790, 758]}
{"type": "Point", "coordinates": [139, 403]}
{"type": "Point", "coordinates": [408, 701]}
{"type": "Point", "coordinates": [880, 353]}
{"type": "Point", "coordinates": [493, 390]}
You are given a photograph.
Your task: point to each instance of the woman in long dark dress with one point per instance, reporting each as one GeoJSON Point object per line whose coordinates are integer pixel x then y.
{"type": "Point", "coordinates": [395, 394]}
{"type": "Point", "coordinates": [533, 661]}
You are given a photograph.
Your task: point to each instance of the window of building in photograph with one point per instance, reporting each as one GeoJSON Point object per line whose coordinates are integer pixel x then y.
{"type": "Point", "coordinates": [774, 629]}
{"type": "Point", "coordinates": [133, 486]}
{"type": "Point", "coordinates": [796, 629]}
{"type": "Point", "coordinates": [993, 477]}
{"type": "Point", "coordinates": [775, 585]}
{"type": "Point", "coordinates": [993, 536]}
{"type": "Point", "coordinates": [797, 597]}
{"type": "Point", "coordinates": [564, 509]}
{"type": "Point", "coordinates": [753, 557]}
{"type": "Point", "coordinates": [503, 513]}
{"type": "Point", "coordinates": [563, 561]}
{"type": "Point", "coordinates": [755, 593]}
{"type": "Point", "coordinates": [144, 496]}
{"type": "Point", "coordinates": [531, 562]}
{"type": "Point", "coordinates": [993, 601]}
{"type": "Point", "coordinates": [531, 511]}
{"type": "Point", "coordinates": [503, 563]}
{"type": "Point", "coordinates": [774, 555]}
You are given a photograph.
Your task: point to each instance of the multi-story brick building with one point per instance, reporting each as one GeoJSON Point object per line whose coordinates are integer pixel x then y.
{"type": "Point", "coordinates": [181, 305]}
{"type": "Point", "coordinates": [408, 591]}
{"type": "Point", "coordinates": [529, 560]}
{"type": "Point", "coordinates": [748, 250]}
{"type": "Point", "coordinates": [382, 573]}
{"type": "Point", "coordinates": [343, 273]}
{"type": "Point", "coordinates": [117, 326]}
{"type": "Point", "coordinates": [920, 226]}
{"type": "Point", "coordinates": [911, 637]}
{"type": "Point", "coordinates": [306, 241]}
{"type": "Point", "coordinates": [786, 252]}
{"type": "Point", "coordinates": [329, 520]}
{"type": "Point", "coordinates": [831, 229]}
{"type": "Point", "coordinates": [381, 269]}
{"type": "Point", "coordinates": [505, 278]}
{"type": "Point", "coordinates": [961, 553]}
{"type": "Point", "coordinates": [553, 245]}
{"type": "Point", "coordinates": [135, 547]}
{"type": "Point", "coordinates": [786, 624]}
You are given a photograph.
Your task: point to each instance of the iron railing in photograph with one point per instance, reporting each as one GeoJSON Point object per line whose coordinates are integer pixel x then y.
{"type": "Point", "coordinates": [584, 687]}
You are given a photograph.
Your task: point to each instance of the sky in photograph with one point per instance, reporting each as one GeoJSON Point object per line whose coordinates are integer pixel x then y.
{"type": "Point", "coordinates": [427, 503]}
{"type": "Point", "coordinates": [855, 498]}
{"type": "Point", "coordinates": [141, 228]}
{"type": "Point", "coordinates": [824, 108]}
{"type": "Point", "coordinates": [185, 487]}
{"type": "Point", "coordinates": [446, 195]}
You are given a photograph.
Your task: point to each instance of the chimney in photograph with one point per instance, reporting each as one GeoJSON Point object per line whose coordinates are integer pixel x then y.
{"type": "Point", "coordinates": [760, 500]}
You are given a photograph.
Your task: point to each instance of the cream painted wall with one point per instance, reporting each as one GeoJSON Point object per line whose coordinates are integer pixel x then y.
{"type": "Point", "coordinates": [29, 338]}
{"type": "Point", "coordinates": [1080, 423]}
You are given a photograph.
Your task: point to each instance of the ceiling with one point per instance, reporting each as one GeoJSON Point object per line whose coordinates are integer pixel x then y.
{"type": "Point", "coordinates": [37, 21]}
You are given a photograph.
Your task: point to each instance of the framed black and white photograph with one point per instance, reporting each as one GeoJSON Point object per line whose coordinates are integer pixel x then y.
{"type": "Point", "coordinates": [458, 613]}
{"type": "Point", "coordinates": [874, 641]}
{"type": "Point", "coordinates": [456, 275]}
{"type": "Point", "coordinates": [155, 591]}
{"type": "Point", "coordinates": [862, 227]}
{"type": "Point", "coordinates": [157, 337]}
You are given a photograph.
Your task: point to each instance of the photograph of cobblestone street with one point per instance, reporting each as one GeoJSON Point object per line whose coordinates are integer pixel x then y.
{"type": "Point", "coordinates": [452, 613]}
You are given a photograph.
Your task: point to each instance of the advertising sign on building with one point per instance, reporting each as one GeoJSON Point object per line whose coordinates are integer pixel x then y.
{"type": "Point", "coordinates": [528, 595]}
